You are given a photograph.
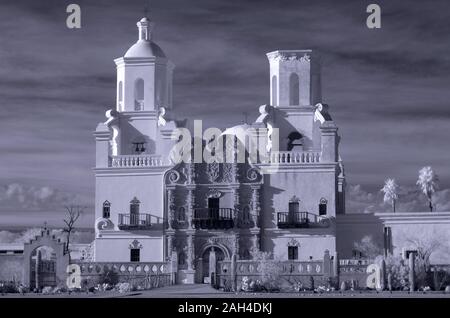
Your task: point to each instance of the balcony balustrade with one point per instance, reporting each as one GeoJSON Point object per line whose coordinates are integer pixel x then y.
{"type": "Point", "coordinates": [136, 161]}
{"type": "Point", "coordinates": [213, 218]}
{"type": "Point", "coordinates": [289, 157]}
{"type": "Point", "coordinates": [287, 220]}
{"type": "Point", "coordinates": [138, 221]}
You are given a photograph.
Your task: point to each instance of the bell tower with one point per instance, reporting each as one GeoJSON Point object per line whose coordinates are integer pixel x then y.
{"type": "Point", "coordinates": [294, 78]}
{"type": "Point", "coordinates": [144, 74]}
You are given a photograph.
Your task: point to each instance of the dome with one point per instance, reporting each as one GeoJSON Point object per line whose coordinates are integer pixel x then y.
{"type": "Point", "coordinates": [145, 49]}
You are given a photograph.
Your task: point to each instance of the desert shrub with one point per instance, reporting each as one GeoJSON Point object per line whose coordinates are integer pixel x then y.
{"type": "Point", "coordinates": [270, 270]}
{"type": "Point", "coordinates": [8, 287]}
{"type": "Point", "coordinates": [109, 277]}
{"type": "Point", "coordinates": [399, 270]}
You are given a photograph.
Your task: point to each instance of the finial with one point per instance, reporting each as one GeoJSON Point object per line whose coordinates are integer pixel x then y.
{"type": "Point", "coordinates": [45, 225]}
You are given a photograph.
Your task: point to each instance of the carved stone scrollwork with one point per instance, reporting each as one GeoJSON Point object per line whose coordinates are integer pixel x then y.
{"type": "Point", "coordinates": [104, 224]}
{"type": "Point", "coordinates": [252, 174]}
{"type": "Point", "coordinates": [293, 242]}
{"type": "Point", "coordinates": [214, 193]}
{"type": "Point", "coordinates": [213, 171]}
{"type": "Point", "coordinates": [135, 244]}
{"type": "Point", "coordinates": [173, 176]}
{"type": "Point", "coordinates": [290, 57]}
{"type": "Point", "coordinates": [228, 175]}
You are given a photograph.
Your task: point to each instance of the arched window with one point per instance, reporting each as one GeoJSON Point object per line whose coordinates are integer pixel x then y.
{"type": "Point", "coordinates": [181, 217]}
{"type": "Point", "coordinates": [294, 88]}
{"type": "Point", "coordinates": [274, 90]}
{"type": "Point", "coordinates": [323, 206]}
{"type": "Point", "coordinates": [134, 211]}
{"type": "Point", "coordinates": [106, 209]}
{"type": "Point", "coordinates": [139, 94]}
{"type": "Point", "coordinates": [120, 94]}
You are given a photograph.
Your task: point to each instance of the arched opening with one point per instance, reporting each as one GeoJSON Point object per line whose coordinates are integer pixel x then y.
{"type": "Point", "coordinates": [106, 209]}
{"type": "Point", "coordinates": [182, 264]}
{"type": "Point", "coordinates": [207, 267]}
{"type": "Point", "coordinates": [323, 206]}
{"type": "Point", "coordinates": [139, 94]}
{"type": "Point", "coordinates": [43, 267]}
{"type": "Point", "coordinates": [246, 214]}
{"type": "Point", "coordinates": [274, 90]}
{"type": "Point", "coordinates": [120, 95]}
{"type": "Point", "coordinates": [294, 90]}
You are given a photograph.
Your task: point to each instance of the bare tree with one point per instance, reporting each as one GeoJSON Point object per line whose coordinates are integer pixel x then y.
{"type": "Point", "coordinates": [390, 192]}
{"type": "Point", "coordinates": [428, 183]}
{"type": "Point", "coordinates": [73, 212]}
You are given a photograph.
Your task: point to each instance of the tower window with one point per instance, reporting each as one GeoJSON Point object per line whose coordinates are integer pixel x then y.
{"type": "Point", "coordinates": [106, 209]}
{"type": "Point", "coordinates": [294, 90]}
{"type": "Point", "coordinates": [139, 94]}
{"type": "Point", "coordinates": [120, 94]}
{"type": "Point", "coordinates": [135, 255]}
{"type": "Point", "coordinates": [292, 252]}
{"type": "Point", "coordinates": [274, 90]}
{"type": "Point", "coordinates": [323, 207]}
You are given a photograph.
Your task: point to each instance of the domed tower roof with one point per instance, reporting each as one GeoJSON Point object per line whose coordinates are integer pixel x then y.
{"type": "Point", "coordinates": [145, 47]}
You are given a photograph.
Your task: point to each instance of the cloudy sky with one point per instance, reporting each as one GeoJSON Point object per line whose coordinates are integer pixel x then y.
{"type": "Point", "coordinates": [388, 89]}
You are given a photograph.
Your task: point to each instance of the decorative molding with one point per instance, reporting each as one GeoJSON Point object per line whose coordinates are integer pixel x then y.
{"type": "Point", "coordinates": [293, 242]}
{"type": "Point", "coordinates": [135, 244]}
{"type": "Point", "coordinates": [301, 57]}
{"type": "Point", "coordinates": [323, 201]}
{"type": "Point", "coordinates": [161, 120]}
{"type": "Point", "coordinates": [214, 193]}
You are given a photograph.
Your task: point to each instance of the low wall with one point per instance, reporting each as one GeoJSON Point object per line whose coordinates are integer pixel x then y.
{"type": "Point", "coordinates": [145, 275]}
{"type": "Point", "coordinates": [289, 272]}
{"type": "Point", "coordinates": [354, 270]}
{"type": "Point", "coordinates": [11, 268]}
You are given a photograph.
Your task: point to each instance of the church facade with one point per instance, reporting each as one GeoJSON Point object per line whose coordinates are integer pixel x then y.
{"type": "Point", "coordinates": [152, 208]}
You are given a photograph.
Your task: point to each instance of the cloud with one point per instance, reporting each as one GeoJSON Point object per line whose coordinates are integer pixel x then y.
{"type": "Point", "coordinates": [21, 197]}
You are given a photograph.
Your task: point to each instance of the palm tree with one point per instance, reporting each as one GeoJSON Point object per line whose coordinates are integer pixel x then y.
{"type": "Point", "coordinates": [428, 183]}
{"type": "Point", "coordinates": [390, 192]}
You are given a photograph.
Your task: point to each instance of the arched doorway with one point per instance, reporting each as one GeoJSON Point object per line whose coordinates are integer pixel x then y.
{"type": "Point", "coordinates": [43, 267]}
{"type": "Point", "coordinates": [210, 257]}
{"type": "Point", "coordinates": [58, 253]}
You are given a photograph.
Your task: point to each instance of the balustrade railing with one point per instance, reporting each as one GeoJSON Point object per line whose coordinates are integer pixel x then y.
{"type": "Point", "coordinates": [300, 220]}
{"type": "Point", "coordinates": [213, 218]}
{"type": "Point", "coordinates": [134, 221]}
{"type": "Point", "coordinates": [133, 161]}
{"type": "Point", "coordinates": [295, 157]}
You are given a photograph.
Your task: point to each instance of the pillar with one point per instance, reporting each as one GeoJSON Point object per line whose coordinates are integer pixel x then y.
{"type": "Point", "coordinates": [191, 252]}
{"type": "Point", "coordinates": [102, 137]}
{"type": "Point", "coordinates": [171, 207]}
{"type": "Point", "coordinates": [255, 206]}
{"type": "Point", "coordinates": [411, 271]}
{"type": "Point", "coordinates": [190, 205]}
{"type": "Point", "coordinates": [169, 244]}
{"type": "Point", "coordinates": [236, 206]}
{"type": "Point", "coordinates": [329, 144]}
